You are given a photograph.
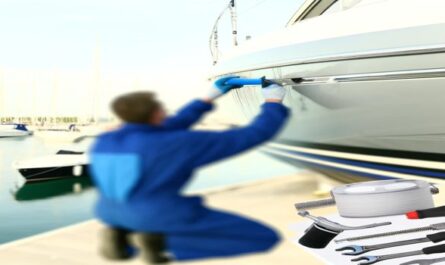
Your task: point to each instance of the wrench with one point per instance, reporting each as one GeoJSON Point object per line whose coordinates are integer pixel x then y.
{"type": "Point", "coordinates": [424, 261]}
{"type": "Point", "coordinates": [367, 260]}
{"type": "Point", "coordinates": [358, 249]}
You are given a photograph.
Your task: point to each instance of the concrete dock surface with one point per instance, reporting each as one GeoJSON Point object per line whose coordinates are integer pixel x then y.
{"type": "Point", "coordinates": [270, 201]}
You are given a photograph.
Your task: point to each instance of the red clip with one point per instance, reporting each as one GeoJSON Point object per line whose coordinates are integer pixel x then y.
{"type": "Point", "coordinates": [412, 215]}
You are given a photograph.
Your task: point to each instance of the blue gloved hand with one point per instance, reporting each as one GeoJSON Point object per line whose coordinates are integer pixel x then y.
{"type": "Point", "coordinates": [220, 87]}
{"type": "Point", "coordinates": [223, 87]}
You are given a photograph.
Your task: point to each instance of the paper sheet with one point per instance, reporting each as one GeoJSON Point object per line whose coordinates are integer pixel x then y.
{"type": "Point", "coordinates": [330, 256]}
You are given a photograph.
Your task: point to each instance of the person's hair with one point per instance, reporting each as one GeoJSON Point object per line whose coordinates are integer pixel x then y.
{"type": "Point", "coordinates": [135, 107]}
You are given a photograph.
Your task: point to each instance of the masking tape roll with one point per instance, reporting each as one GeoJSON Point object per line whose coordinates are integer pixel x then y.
{"type": "Point", "coordinates": [382, 198]}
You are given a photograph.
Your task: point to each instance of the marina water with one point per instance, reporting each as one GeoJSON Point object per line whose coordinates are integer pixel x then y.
{"type": "Point", "coordinates": [23, 218]}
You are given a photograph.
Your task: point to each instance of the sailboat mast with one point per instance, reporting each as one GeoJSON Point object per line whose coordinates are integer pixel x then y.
{"type": "Point", "coordinates": [233, 16]}
{"type": "Point", "coordinates": [96, 85]}
{"type": "Point", "coordinates": [2, 89]}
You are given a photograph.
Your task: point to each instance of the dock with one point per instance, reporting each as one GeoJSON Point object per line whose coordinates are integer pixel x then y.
{"type": "Point", "coordinates": [270, 201]}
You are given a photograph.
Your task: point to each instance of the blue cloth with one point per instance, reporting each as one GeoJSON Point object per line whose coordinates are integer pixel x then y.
{"type": "Point", "coordinates": [221, 85]}
{"type": "Point", "coordinates": [140, 170]}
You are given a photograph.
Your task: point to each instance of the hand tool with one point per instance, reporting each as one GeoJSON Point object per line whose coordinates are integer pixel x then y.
{"type": "Point", "coordinates": [378, 198]}
{"type": "Point", "coordinates": [323, 230]}
{"type": "Point", "coordinates": [436, 227]}
{"type": "Point", "coordinates": [249, 81]}
{"type": "Point", "coordinates": [427, 213]}
{"type": "Point", "coordinates": [357, 249]}
{"type": "Point", "coordinates": [425, 251]}
{"type": "Point", "coordinates": [424, 261]}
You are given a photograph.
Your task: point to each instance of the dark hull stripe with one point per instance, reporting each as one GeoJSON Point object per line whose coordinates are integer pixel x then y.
{"type": "Point", "coordinates": [437, 157]}
{"type": "Point", "coordinates": [398, 169]}
{"type": "Point", "coordinates": [37, 174]}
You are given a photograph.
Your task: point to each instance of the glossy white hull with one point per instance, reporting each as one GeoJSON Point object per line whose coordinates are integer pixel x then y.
{"type": "Point", "coordinates": [368, 86]}
{"type": "Point", "coordinates": [10, 130]}
{"type": "Point", "coordinates": [14, 133]}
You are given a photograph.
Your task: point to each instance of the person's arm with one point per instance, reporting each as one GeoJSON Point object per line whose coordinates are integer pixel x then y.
{"type": "Point", "coordinates": [191, 113]}
{"type": "Point", "coordinates": [210, 146]}
{"type": "Point", "coordinates": [188, 115]}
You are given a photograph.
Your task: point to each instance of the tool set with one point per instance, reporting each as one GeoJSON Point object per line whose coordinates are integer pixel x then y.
{"type": "Point", "coordinates": [374, 199]}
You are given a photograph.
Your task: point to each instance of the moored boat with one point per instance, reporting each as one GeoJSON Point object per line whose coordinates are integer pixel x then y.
{"type": "Point", "coordinates": [51, 167]}
{"type": "Point", "coordinates": [365, 89]}
{"type": "Point", "coordinates": [70, 162]}
{"type": "Point", "coordinates": [14, 130]}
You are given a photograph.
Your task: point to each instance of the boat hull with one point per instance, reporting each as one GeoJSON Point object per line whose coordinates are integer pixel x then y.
{"type": "Point", "coordinates": [400, 115]}
{"type": "Point", "coordinates": [14, 133]}
{"type": "Point", "coordinates": [64, 164]}
{"type": "Point", "coordinates": [363, 106]}
{"type": "Point", "coordinates": [52, 173]}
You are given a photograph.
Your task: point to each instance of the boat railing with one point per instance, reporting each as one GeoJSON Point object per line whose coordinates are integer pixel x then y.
{"type": "Point", "coordinates": [213, 40]}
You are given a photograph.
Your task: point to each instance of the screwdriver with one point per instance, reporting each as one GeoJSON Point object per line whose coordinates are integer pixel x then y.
{"type": "Point", "coordinates": [427, 213]}
{"type": "Point", "coordinates": [439, 226]}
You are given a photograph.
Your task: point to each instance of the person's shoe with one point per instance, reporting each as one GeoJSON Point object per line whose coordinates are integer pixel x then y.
{"type": "Point", "coordinates": [114, 244]}
{"type": "Point", "coordinates": [151, 247]}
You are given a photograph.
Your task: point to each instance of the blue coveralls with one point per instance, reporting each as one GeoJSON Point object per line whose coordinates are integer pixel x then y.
{"type": "Point", "coordinates": [140, 170]}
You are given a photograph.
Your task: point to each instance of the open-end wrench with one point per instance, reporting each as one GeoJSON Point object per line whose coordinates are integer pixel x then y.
{"type": "Point", "coordinates": [424, 261]}
{"type": "Point", "coordinates": [354, 250]}
{"type": "Point", "coordinates": [367, 260]}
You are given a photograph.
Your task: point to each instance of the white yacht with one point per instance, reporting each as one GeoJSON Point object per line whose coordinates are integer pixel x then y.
{"type": "Point", "coordinates": [14, 130]}
{"type": "Point", "coordinates": [69, 162]}
{"type": "Point", "coordinates": [366, 81]}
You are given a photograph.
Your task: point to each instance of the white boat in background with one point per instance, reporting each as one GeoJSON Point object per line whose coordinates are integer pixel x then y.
{"type": "Point", "coordinates": [51, 167]}
{"type": "Point", "coordinates": [69, 162]}
{"type": "Point", "coordinates": [14, 130]}
{"type": "Point", "coordinates": [366, 81]}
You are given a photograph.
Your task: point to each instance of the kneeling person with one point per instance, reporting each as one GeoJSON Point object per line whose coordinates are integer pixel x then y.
{"type": "Point", "coordinates": [141, 167]}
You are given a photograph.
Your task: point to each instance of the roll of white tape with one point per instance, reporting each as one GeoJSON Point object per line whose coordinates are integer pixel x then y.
{"type": "Point", "coordinates": [382, 198]}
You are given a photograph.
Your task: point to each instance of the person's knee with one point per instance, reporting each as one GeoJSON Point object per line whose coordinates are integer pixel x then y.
{"type": "Point", "coordinates": [271, 241]}
{"type": "Point", "coordinates": [267, 240]}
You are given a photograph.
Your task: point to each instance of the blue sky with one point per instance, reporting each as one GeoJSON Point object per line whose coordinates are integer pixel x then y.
{"type": "Point", "coordinates": [49, 47]}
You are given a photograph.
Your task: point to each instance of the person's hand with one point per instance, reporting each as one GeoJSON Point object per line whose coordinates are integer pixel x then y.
{"type": "Point", "coordinates": [220, 87]}
{"type": "Point", "coordinates": [274, 93]}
